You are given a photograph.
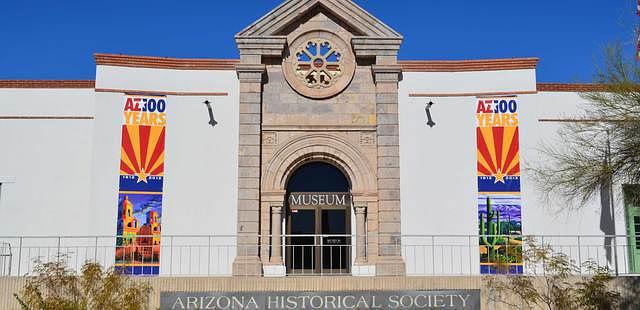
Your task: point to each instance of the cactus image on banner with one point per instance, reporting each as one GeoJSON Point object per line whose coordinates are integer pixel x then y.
{"type": "Point", "coordinates": [499, 202]}
{"type": "Point", "coordinates": [141, 184]}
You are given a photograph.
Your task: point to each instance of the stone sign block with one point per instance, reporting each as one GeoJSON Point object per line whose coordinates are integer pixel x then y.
{"type": "Point", "coordinates": [445, 299]}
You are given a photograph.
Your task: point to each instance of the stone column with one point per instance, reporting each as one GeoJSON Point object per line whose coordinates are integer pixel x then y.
{"type": "Point", "coordinates": [361, 234]}
{"type": "Point", "coordinates": [276, 234]}
{"type": "Point", "coordinates": [247, 262]}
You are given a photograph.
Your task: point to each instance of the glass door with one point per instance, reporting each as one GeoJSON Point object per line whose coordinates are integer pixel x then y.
{"type": "Point", "coordinates": [301, 249]}
{"type": "Point", "coordinates": [318, 241]}
{"type": "Point", "coordinates": [335, 244]}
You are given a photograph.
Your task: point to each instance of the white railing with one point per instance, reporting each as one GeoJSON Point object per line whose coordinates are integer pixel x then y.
{"type": "Point", "coordinates": [5, 259]}
{"type": "Point", "coordinates": [460, 254]}
{"type": "Point", "coordinates": [318, 255]}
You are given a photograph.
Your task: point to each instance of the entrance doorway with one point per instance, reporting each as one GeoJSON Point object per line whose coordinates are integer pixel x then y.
{"type": "Point", "coordinates": [318, 221]}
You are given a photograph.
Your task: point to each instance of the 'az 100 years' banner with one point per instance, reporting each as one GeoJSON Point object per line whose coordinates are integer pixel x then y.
{"type": "Point", "coordinates": [141, 181]}
{"type": "Point", "coordinates": [499, 202]}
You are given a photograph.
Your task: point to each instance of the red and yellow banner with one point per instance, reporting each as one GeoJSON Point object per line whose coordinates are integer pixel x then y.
{"type": "Point", "coordinates": [141, 184]}
{"type": "Point", "coordinates": [498, 173]}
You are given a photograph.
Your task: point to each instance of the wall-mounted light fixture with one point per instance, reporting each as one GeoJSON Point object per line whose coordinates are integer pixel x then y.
{"type": "Point", "coordinates": [427, 109]}
{"type": "Point", "coordinates": [212, 120]}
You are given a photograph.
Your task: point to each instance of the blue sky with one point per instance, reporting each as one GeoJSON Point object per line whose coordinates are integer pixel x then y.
{"type": "Point", "coordinates": [56, 39]}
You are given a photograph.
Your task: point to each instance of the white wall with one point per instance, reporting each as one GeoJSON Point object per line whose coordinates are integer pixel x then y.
{"type": "Point", "coordinates": [540, 215]}
{"type": "Point", "coordinates": [57, 182]}
{"type": "Point", "coordinates": [438, 178]}
{"type": "Point", "coordinates": [48, 160]}
{"type": "Point", "coordinates": [438, 165]}
{"type": "Point", "coordinates": [200, 184]}
{"type": "Point", "coordinates": [66, 171]}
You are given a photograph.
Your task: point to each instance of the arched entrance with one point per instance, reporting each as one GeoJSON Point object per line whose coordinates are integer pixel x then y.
{"type": "Point", "coordinates": [287, 160]}
{"type": "Point", "coordinates": [318, 220]}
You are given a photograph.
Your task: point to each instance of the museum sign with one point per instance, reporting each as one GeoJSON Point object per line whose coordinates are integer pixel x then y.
{"type": "Point", "coordinates": [319, 199]}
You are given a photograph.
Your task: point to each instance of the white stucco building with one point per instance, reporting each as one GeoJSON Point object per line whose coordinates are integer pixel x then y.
{"type": "Point", "coordinates": [317, 105]}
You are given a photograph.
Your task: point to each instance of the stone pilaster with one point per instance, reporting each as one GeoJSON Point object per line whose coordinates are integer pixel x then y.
{"type": "Point", "coordinates": [247, 262]}
{"type": "Point", "coordinates": [387, 74]}
{"type": "Point", "coordinates": [251, 74]}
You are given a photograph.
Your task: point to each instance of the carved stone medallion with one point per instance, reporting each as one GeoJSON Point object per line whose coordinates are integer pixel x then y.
{"type": "Point", "coordinates": [319, 64]}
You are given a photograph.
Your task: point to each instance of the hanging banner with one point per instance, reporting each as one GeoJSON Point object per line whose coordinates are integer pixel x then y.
{"type": "Point", "coordinates": [499, 202]}
{"type": "Point", "coordinates": [141, 181]}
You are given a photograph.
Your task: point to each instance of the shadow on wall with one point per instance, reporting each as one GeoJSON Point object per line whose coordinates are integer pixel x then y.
{"type": "Point", "coordinates": [607, 226]}
{"type": "Point", "coordinates": [629, 288]}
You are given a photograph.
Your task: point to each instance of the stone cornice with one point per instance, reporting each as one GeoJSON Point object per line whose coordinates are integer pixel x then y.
{"type": "Point", "coordinates": [266, 45]}
{"type": "Point", "coordinates": [386, 73]}
{"type": "Point", "coordinates": [250, 68]}
{"type": "Point", "coordinates": [250, 73]}
{"type": "Point", "coordinates": [386, 69]}
{"type": "Point", "coordinates": [368, 46]}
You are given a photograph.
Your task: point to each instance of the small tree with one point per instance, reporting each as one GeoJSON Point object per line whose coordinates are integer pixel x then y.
{"type": "Point", "coordinates": [602, 143]}
{"type": "Point", "coordinates": [57, 287]}
{"type": "Point", "coordinates": [551, 283]}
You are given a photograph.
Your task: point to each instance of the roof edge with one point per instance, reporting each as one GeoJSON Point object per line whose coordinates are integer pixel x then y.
{"type": "Point", "coordinates": [164, 62]}
{"type": "Point", "coordinates": [83, 84]}
{"type": "Point", "coordinates": [47, 84]}
{"type": "Point", "coordinates": [570, 87]}
{"type": "Point", "coordinates": [468, 65]}
{"type": "Point", "coordinates": [229, 64]}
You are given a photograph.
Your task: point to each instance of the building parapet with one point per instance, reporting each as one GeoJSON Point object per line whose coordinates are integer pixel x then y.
{"type": "Point", "coordinates": [468, 65]}
{"type": "Point", "coordinates": [570, 87]}
{"type": "Point", "coordinates": [164, 62]}
{"type": "Point", "coordinates": [47, 83]}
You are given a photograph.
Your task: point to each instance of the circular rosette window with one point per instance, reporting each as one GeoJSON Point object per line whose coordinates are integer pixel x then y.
{"type": "Point", "coordinates": [319, 65]}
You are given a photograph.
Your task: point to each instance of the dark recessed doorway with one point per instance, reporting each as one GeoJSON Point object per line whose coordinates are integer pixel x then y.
{"type": "Point", "coordinates": [318, 221]}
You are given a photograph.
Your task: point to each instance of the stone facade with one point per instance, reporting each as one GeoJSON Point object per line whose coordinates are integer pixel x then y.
{"type": "Point", "coordinates": [352, 124]}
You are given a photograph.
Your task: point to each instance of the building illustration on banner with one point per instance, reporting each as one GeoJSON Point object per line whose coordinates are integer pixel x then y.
{"type": "Point", "coordinates": [141, 184]}
{"type": "Point", "coordinates": [499, 202]}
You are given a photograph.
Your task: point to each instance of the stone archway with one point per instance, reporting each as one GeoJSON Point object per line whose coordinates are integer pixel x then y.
{"type": "Point", "coordinates": [314, 147]}
{"type": "Point", "coordinates": [319, 147]}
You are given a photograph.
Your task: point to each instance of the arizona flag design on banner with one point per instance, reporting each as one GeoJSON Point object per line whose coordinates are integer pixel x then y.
{"type": "Point", "coordinates": [141, 181]}
{"type": "Point", "coordinates": [499, 203]}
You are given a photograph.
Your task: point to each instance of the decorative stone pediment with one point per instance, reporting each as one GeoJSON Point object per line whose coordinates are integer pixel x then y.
{"type": "Point", "coordinates": [280, 21]}
{"type": "Point", "coordinates": [367, 35]}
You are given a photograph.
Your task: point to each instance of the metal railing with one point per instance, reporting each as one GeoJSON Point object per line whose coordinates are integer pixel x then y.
{"type": "Point", "coordinates": [319, 255]}
{"type": "Point", "coordinates": [461, 255]}
{"type": "Point", "coordinates": [5, 259]}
